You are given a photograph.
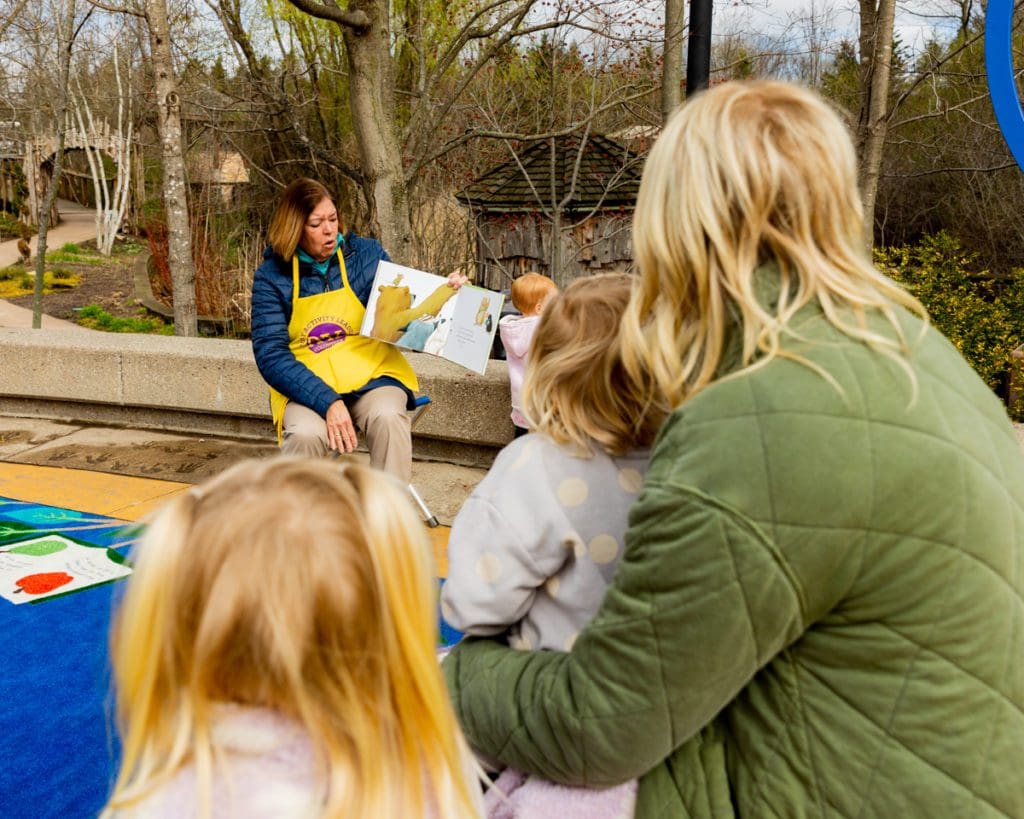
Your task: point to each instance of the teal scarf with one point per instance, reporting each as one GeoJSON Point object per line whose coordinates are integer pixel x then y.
{"type": "Point", "coordinates": [319, 267]}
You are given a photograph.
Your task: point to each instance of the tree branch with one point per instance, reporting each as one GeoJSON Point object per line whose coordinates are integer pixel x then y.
{"type": "Point", "coordinates": [117, 9]}
{"type": "Point", "coordinates": [355, 20]}
{"type": "Point", "coordinates": [991, 169]}
{"type": "Point", "coordinates": [929, 73]}
{"type": "Point", "coordinates": [572, 128]}
{"type": "Point", "coordinates": [441, 113]}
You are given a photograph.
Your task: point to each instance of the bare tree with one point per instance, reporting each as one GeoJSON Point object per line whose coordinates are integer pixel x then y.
{"type": "Point", "coordinates": [172, 154]}
{"type": "Point", "coordinates": [175, 188]}
{"type": "Point", "coordinates": [672, 59]}
{"type": "Point", "coordinates": [66, 32]}
{"type": "Point", "coordinates": [365, 27]}
{"type": "Point", "coordinates": [395, 145]}
{"type": "Point", "coordinates": [110, 204]}
{"type": "Point", "coordinates": [876, 34]}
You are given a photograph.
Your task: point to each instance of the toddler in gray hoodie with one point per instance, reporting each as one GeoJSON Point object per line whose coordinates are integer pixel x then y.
{"type": "Point", "coordinates": [535, 546]}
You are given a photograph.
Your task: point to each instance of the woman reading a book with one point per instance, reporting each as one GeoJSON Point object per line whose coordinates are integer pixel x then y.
{"type": "Point", "coordinates": [308, 301]}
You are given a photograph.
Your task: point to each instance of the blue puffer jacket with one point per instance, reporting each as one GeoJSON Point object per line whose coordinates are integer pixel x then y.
{"type": "Point", "coordinates": [272, 310]}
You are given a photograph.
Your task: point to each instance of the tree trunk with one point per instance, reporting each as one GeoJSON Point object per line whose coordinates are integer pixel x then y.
{"type": "Point", "coordinates": [672, 59]}
{"type": "Point", "coordinates": [872, 126]}
{"type": "Point", "coordinates": [370, 95]}
{"type": "Point", "coordinates": [179, 237]}
{"type": "Point", "coordinates": [65, 42]}
{"type": "Point", "coordinates": [556, 217]}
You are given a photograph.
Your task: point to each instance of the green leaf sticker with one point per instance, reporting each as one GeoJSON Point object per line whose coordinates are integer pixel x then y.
{"type": "Point", "coordinates": [39, 548]}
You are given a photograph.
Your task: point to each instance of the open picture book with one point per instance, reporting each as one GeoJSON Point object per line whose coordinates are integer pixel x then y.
{"type": "Point", "coordinates": [416, 310]}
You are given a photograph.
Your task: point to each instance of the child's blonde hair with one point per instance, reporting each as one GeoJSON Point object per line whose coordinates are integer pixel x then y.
{"type": "Point", "coordinates": [576, 389]}
{"type": "Point", "coordinates": [744, 174]}
{"type": "Point", "coordinates": [303, 586]}
{"type": "Point", "coordinates": [529, 290]}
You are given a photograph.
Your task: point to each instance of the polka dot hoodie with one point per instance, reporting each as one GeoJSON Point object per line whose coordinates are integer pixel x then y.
{"type": "Point", "coordinates": [535, 546]}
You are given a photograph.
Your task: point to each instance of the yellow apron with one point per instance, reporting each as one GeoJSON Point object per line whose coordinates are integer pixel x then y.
{"type": "Point", "coordinates": [323, 334]}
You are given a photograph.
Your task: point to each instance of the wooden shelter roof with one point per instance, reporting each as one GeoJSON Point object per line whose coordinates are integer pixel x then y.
{"type": "Point", "coordinates": [609, 178]}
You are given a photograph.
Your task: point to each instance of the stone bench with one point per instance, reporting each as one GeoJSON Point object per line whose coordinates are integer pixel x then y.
{"type": "Point", "coordinates": [211, 387]}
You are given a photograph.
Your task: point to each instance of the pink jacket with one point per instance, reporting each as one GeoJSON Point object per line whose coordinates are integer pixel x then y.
{"type": "Point", "coordinates": [270, 772]}
{"type": "Point", "coordinates": [516, 332]}
{"type": "Point", "coordinates": [516, 795]}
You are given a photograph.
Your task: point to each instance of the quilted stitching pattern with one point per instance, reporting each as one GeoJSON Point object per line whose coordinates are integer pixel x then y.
{"type": "Point", "coordinates": [842, 574]}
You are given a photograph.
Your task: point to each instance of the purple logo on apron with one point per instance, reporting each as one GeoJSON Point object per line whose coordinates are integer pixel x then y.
{"type": "Point", "coordinates": [325, 335]}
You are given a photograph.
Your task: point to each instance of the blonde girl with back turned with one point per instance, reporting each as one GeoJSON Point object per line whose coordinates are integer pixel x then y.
{"type": "Point", "coordinates": [274, 655]}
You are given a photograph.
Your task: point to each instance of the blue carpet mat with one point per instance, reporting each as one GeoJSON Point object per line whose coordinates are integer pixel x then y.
{"type": "Point", "coordinates": [55, 715]}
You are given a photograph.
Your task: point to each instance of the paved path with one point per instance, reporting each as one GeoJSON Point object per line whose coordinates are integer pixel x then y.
{"type": "Point", "coordinates": [77, 225]}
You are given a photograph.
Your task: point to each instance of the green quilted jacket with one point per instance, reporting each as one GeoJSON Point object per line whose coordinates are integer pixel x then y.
{"type": "Point", "coordinates": [818, 612]}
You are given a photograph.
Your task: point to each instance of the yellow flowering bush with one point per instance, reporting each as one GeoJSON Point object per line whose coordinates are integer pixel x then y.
{"type": "Point", "coordinates": [982, 313]}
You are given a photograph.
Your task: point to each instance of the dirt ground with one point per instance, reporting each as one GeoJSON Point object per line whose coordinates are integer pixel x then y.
{"type": "Point", "coordinates": [110, 284]}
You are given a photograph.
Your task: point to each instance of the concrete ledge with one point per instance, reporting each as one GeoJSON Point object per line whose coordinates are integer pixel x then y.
{"type": "Point", "coordinates": [212, 386]}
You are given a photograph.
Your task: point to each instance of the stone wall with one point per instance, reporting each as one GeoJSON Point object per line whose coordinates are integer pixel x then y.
{"type": "Point", "coordinates": [212, 386]}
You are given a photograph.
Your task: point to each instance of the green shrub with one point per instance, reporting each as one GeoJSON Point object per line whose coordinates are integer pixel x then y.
{"type": "Point", "coordinates": [16, 281]}
{"type": "Point", "coordinates": [980, 312]}
{"type": "Point", "coordinates": [127, 247]}
{"type": "Point", "coordinates": [12, 228]}
{"type": "Point", "coordinates": [61, 279]}
{"type": "Point", "coordinates": [97, 318]}
{"type": "Point", "coordinates": [73, 254]}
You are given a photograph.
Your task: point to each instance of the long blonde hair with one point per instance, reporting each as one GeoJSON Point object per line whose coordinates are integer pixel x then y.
{"type": "Point", "coordinates": [748, 173]}
{"type": "Point", "coordinates": [576, 389]}
{"type": "Point", "coordinates": [301, 586]}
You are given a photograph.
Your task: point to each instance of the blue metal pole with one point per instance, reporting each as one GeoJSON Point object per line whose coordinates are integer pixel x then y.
{"type": "Point", "coordinates": [999, 68]}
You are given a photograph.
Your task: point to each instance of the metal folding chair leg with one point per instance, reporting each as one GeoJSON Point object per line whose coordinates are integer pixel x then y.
{"type": "Point", "coordinates": [422, 404]}
{"type": "Point", "coordinates": [428, 517]}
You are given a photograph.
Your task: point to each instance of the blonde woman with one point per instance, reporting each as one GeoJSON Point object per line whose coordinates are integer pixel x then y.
{"type": "Point", "coordinates": [820, 606]}
{"type": "Point", "coordinates": [274, 655]}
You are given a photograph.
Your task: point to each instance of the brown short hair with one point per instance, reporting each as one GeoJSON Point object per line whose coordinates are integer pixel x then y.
{"type": "Point", "coordinates": [529, 290]}
{"type": "Point", "coordinates": [299, 200]}
{"type": "Point", "coordinates": [576, 389]}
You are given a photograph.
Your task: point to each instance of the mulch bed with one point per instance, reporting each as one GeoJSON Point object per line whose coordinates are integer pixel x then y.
{"type": "Point", "coordinates": [110, 285]}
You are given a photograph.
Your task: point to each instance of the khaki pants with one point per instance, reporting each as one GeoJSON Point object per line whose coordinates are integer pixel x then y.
{"type": "Point", "coordinates": [380, 415]}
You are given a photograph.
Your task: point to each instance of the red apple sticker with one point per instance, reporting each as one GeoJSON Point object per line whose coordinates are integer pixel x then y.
{"type": "Point", "coordinates": [42, 583]}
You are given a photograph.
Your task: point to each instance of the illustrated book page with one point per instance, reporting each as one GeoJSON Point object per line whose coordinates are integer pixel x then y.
{"type": "Point", "coordinates": [416, 310]}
